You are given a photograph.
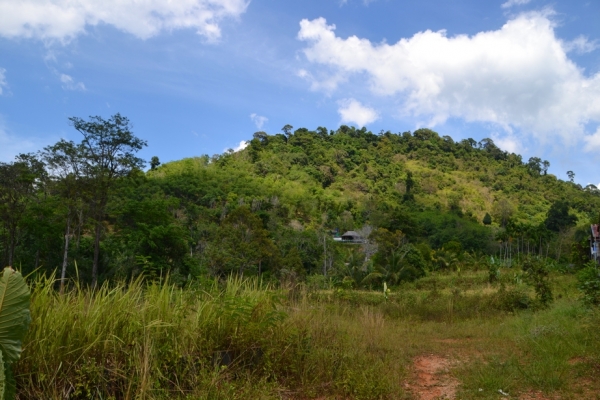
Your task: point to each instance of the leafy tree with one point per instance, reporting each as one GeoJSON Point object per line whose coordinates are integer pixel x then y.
{"type": "Point", "coordinates": [545, 166]}
{"type": "Point", "coordinates": [109, 154]}
{"type": "Point", "coordinates": [242, 241]}
{"type": "Point", "coordinates": [538, 276]}
{"type": "Point", "coordinates": [287, 130]}
{"type": "Point", "coordinates": [19, 182]}
{"type": "Point", "coordinates": [558, 217]}
{"type": "Point", "coordinates": [64, 161]}
{"type": "Point", "coordinates": [487, 219]}
{"type": "Point", "coordinates": [535, 165]}
{"type": "Point", "coordinates": [571, 176]}
{"type": "Point", "coordinates": [503, 210]}
{"type": "Point", "coordinates": [154, 162]}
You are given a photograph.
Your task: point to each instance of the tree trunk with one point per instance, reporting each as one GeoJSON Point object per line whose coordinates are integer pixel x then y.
{"type": "Point", "coordinates": [63, 272]}
{"type": "Point", "coordinates": [324, 255]}
{"type": "Point", "coordinates": [11, 246]}
{"type": "Point", "coordinates": [96, 254]}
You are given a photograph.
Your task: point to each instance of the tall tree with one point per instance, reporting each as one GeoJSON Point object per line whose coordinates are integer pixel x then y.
{"type": "Point", "coordinates": [64, 161]}
{"type": "Point", "coordinates": [154, 162]}
{"type": "Point", "coordinates": [558, 217]}
{"type": "Point", "coordinates": [109, 149]}
{"type": "Point", "coordinates": [19, 182]}
{"type": "Point", "coordinates": [545, 166]}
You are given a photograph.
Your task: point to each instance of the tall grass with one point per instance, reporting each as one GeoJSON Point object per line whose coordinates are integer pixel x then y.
{"type": "Point", "coordinates": [241, 339]}
{"type": "Point", "coordinates": [157, 341]}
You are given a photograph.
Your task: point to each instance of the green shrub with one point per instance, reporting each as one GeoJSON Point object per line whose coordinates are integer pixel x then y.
{"type": "Point", "coordinates": [589, 283]}
{"type": "Point", "coordinates": [512, 299]}
{"type": "Point", "coordinates": [538, 276]}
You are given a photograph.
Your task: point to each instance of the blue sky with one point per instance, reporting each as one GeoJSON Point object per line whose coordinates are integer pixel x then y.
{"type": "Point", "coordinates": [200, 76]}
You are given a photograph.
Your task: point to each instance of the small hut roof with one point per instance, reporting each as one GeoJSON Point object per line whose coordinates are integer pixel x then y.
{"type": "Point", "coordinates": [351, 233]}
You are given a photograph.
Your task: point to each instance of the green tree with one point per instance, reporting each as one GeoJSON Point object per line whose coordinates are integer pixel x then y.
{"type": "Point", "coordinates": [487, 219]}
{"type": "Point", "coordinates": [243, 241]}
{"type": "Point", "coordinates": [503, 210]}
{"type": "Point", "coordinates": [19, 182]}
{"type": "Point", "coordinates": [154, 162]}
{"type": "Point", "coordinates": [535, 165]}
{"type": "Point", "coordinates": [64, 161]}
{"type": "Point", "coordinates": [109, 149]}
{"type": "Point", "coordinates": [558, 217]}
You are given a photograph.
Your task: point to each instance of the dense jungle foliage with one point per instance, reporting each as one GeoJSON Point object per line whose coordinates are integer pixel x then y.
{"type": "Point", "coordinates": [424, 202]}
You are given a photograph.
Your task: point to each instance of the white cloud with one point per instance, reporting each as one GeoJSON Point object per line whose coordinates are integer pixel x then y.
{"type": "Point", "coordinates": [243, 144]}
{"type": "Point", "coordinates": [69, 84]}
{"type": "Point", "coordinates": [508, 143]}
{"type": "Point", "coordinates": [258, 120]}
{"type": "Point", "coordinates": [581, 45]}
{"type": "Point", "coordinates": [518, 76]}
{"type": "Point", "coordinates": [592, 142]}
{"type": "Point", "coordinates": [511, 3]}
{"type": "Point", "coordinates": [352, 111]}
{"type": "Point", "coordinates": [63, 20]}
{"type": "Point", "coordinates": [3, 83]}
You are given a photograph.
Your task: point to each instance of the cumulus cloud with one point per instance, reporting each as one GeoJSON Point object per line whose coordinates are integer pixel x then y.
{"type": "Point", "coordinates": [593, 141]}
{"type": "Point", "coordinates": [511, 3]}
{"type": "Point", "coordinates": [241, 146]}
{"type": "Point", "coordinates": [352, 111]}
{"type": "Point", "coordinates": [509, 143]}
{"type": "Point", "coordinates": [69, 84]}
{"type": "Point", "coordinates": [518, 76]}
{"type": "Point", "coordinates": [258, 120]}
{"type": "Point", "coordinates": [63, 20]}
{"type": "Point", "coordinates": [3, 83]}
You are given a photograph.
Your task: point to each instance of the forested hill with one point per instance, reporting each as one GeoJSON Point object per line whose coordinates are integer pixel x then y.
{"type": "Point", "coordinates": [325, 178]}
{"type": "Point", "coordinates": [423, 201]}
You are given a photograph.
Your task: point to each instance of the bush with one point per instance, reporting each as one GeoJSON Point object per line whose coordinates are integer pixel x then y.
{"type": "Point", "coordinates": [510, 299]}
{"type": "Point", "coordinates": [589, 284]}
{"type": "Point", "coordinates": [537, 276]}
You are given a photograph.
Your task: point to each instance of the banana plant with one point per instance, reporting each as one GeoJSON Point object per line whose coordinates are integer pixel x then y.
{"type": "Point", "coordinates": [14, 322]}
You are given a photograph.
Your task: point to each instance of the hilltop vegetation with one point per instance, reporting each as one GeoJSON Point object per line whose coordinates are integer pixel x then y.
{"type": "Point", "coordinates": [424, 201]}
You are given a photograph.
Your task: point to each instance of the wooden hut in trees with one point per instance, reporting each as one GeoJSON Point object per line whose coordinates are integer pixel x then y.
{"type": "Point", "coordinates": [352, 237]}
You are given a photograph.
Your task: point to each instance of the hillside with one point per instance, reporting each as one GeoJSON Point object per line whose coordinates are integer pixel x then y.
{"type": "Point", "coordinates": [422, 201]}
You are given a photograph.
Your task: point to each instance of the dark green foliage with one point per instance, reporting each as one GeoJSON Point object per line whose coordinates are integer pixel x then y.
{"type": "Point", "coordinates": [538, 276]}
{"type": "Point", "coordinates": [443, 228]}
{"type": "Point", "coordinates": [487, 219]}
{"type": "Point", "coordinates": [154, 162]}
{"type": "Point", "coordinates": [589, 284]}
{"type": "Point", "coordinates": [512, 299]}
{"type": "Point", "coordinates": [559, 218]}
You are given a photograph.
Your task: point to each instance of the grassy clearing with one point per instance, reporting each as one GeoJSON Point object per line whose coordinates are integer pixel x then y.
{"type": "Point", "coordinates": [141, 341]}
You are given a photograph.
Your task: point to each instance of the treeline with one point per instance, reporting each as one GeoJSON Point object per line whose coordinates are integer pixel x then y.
{"type": "Point", "coordinates": [88, 211]}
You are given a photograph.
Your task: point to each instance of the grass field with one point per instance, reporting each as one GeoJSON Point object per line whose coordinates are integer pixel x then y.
{"type": "Point", "coordinates": [450, 334]}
